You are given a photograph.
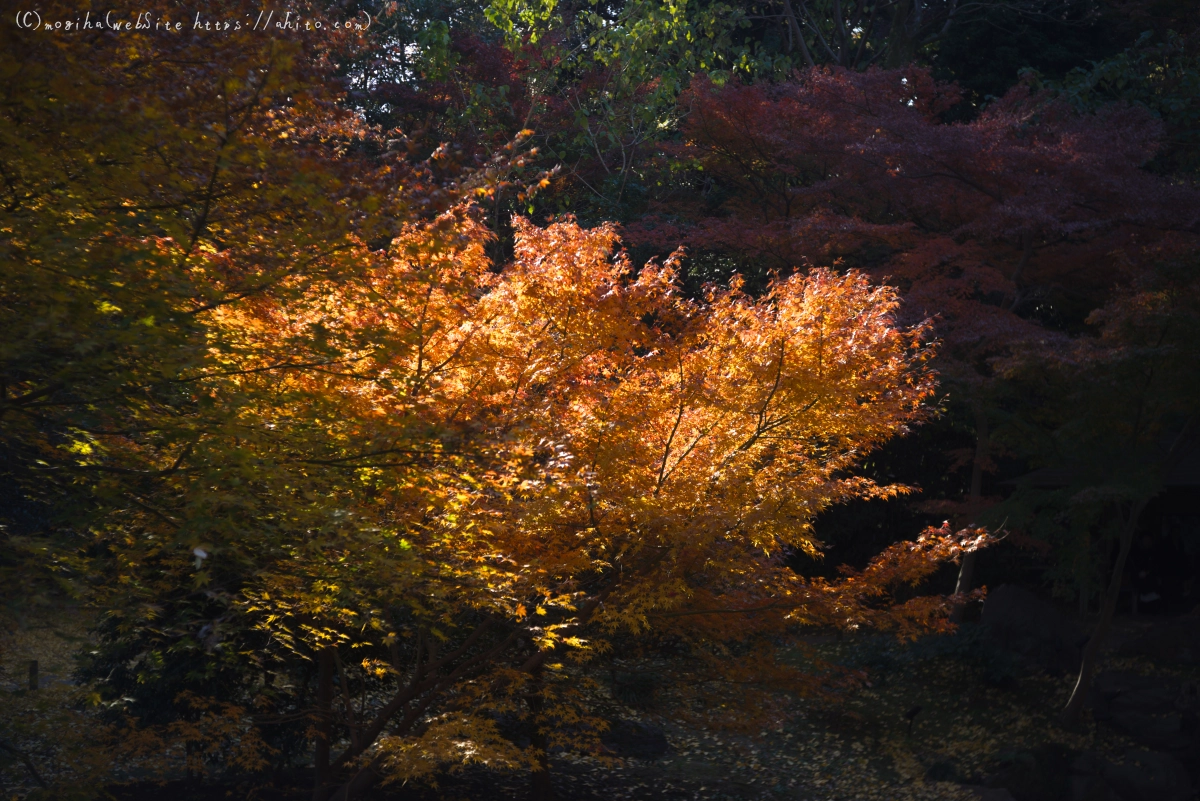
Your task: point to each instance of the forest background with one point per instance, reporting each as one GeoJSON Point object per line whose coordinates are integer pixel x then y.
{"type": "Point", "coordinates": [331, 382]}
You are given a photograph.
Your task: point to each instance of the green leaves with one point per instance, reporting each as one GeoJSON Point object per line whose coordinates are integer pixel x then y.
{"type": "Point", "coordinates": [607, 79]}
{"type": "Point", "coordinates": [523, 20]}
{"type": "Point", "coordinates": [1163, 76]}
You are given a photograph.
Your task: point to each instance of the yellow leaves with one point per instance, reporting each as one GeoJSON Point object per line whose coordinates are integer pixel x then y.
{"type": "Point", "coordinates": [377, 668]}
{"type": "Point", "coordinates": [81, 447]}
{"type": "Point", "coordinates": [565, 442]}
{"type": "Point", "coordinates": [368, 475]}
{"type": "Point", "coordinates": [452, 741]}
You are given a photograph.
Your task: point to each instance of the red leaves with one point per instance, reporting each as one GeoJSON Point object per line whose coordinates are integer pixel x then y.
{"type": "Point", "coordinates": [858, 167]}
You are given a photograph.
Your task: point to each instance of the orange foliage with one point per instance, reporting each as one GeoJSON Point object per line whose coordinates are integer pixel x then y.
{"type": "Point", "coordinates": [308, 418]}
{"type": "Point", "coordinates": [568, 453]}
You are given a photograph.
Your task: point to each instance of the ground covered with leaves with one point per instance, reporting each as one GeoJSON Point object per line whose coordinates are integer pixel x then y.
{"type": "Point", "coordinates": [941, 720]}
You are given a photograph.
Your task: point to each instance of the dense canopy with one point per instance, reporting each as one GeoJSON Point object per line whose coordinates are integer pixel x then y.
{"type": "Point", "coordinates": [378, 387]}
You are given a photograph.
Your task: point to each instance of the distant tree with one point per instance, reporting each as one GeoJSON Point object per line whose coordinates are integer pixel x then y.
{"type": "Point", "coordinates": [1004, 227]}
{"type": "Point", "coordinates": [857, 34]}
{"type": "Point", "coordinates": [1115, 414]}
{"type": "Point", "coordinates": [605, 78]}
{"type": "Point", "coordinates": [986, 53]}
{"type": "Point", "coordinates": [1162, 76]}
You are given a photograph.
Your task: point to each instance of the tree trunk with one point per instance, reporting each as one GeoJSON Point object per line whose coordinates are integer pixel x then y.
{"type": "Point", "coordinates": [324, 722]}
{"type": "Point", "coordinates": [361, 782]}
{"type": "Point", "coordinates": [1073, 712]}
{"type": "Point", "coordinates": [797, 34]}
{"type": "Point", "coordinates": [966, 571]}
{"type": "Point", "coordinates": [540, 788]}
{"type": "Point", "coordinates": [902, 42]}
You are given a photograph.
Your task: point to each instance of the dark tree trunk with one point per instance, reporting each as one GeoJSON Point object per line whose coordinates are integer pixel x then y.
{"type": "Point", "coordinates": [360, 782]}
{"type": "Point", "coordinates": [902, 41]}
{"type": "Point", "coordinates": [540, 788]}
{"type": "Point", "coordinates": [1073, 712]}
{"type": "Point", "coordinates": [966, 571]}
{"type": "Point", "coordinates": [324, 723]}
{"type": "Point", "coordinates": [796, 33]}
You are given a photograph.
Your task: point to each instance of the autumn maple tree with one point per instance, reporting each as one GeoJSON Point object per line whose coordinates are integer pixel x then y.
{"type": "Point", "coordinates": [345, 486]}
{"type": "Point", "coordinates": [564, 452]}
